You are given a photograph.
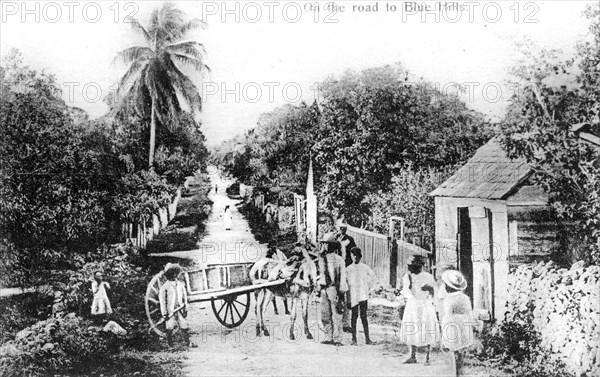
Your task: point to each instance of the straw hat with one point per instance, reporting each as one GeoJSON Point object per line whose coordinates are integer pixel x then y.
{"type": "Point", "coordinates": [454, 279]}
{"type": "Point", "coordinates": [329, 238]}
{"type": "Point", "coordinates": [172, 269]}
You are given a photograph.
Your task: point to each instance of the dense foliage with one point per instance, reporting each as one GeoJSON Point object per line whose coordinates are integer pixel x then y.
{"type": "Point", "coordinates": [276, 151]}
{"type": "Point", "coordinates": [376, 122]}
{"type": "Point", "coordinates": [55, 345]}
{"type": "Point", "coordinates": [556, 94]}
{"type": "Point", "coordinates": [73, 343]}
{"type": "Point", "coordinates": [552, 326]}
{"type": "Point", "coordinates": [53, 188]}
{"type": "Point", "coordinates": [68, 182]}
{"type": "Point", "coordinates": [368, 127]}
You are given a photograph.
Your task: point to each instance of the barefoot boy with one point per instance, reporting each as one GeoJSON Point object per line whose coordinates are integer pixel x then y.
{"type": "Point", "coordinates": [360, 278]}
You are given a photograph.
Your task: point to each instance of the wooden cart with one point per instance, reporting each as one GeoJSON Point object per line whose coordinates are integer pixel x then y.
{"type": "Point", "coordinates": [226, 286]}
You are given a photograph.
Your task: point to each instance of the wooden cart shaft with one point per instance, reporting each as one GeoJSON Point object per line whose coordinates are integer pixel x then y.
{"type": "Point", "coordinates": [218, 293]}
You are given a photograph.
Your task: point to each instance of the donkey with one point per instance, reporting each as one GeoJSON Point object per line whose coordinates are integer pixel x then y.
{"type": "Point", "coordinates": [298, 287]}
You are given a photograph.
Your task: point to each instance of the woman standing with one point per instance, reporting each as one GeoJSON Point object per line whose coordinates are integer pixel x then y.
{"type": "Point", "coordinates": [227, 218]}
{"type": "Point", "coordinates": [419, 326]}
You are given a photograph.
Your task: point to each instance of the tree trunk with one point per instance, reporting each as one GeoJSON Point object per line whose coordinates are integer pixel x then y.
{"type": "Point", "coordinates": [152, 134]}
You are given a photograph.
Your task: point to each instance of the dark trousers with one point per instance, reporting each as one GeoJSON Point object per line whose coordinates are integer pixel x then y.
{"type": "Point", "coordinates": [362, 308]}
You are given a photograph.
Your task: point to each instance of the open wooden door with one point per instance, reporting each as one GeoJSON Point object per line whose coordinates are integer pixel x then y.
{"type": "Point", "coordinates": [482, 262]}
{"type": "Point", "coordinates": [465, 248]}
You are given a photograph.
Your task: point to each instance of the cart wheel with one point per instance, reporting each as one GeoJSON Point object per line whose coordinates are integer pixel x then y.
{"type": "Point", "coordinates": [153, 305]}
{"type": "Point", "coordinates": [231, 310]}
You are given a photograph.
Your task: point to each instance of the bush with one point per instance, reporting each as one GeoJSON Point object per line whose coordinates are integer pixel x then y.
{"type": "Point", "coordinates": [409, 198]}
{"type": "Point", "coordinates": [552, 326]}
{"type": "Point", "coordinates": [22, 311]}
{"type": "Point", "coordinates": [56, 344]}
{"type": "Point", "coordinates": [234, 189]}
{"type": "Point", "coordinates": [73, 344]}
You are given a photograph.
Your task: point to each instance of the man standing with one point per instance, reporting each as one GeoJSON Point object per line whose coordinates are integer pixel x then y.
{"type": "Point", "coordinates": [346, 243]}
{"type": "Point", "coordinates": [333, 286]}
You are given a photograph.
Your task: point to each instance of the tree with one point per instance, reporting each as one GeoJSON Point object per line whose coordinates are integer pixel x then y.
{"type": "Point", "coordinates": [282, 142]}
{"type": "Point", "coordinates": [408, 197]}
{"type": "Point", "coordinates": [557, 93]}
{"type": "Point", "coordinates": [374, 123]}
{"type": "Point", "coordinates": [153, 77]}
{"type": "Point", "coordinates": [53, 188]}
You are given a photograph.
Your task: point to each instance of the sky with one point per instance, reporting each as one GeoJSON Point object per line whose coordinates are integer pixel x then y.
{"type": "Point", "coordinates": [264, 54]}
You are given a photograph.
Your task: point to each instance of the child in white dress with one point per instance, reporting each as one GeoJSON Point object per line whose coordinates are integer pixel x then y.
{"type": "Point", "coordinates": [457, 314]}
{"type": "Point", "coordinates": [100, 304]}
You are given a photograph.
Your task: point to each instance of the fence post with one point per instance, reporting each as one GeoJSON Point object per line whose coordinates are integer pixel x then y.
{"type": "Point", "coordinates": [393, 248]}
{"type": "Point", "coordinates": [373, 261]}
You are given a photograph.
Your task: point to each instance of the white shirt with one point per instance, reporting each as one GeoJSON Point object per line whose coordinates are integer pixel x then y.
{"type": "Point", "coordinates": [360, 277]}
{"type": "Point", "coordinates": [172, 295]}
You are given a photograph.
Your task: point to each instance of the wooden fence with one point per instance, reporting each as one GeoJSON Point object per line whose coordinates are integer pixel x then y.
{"type": "Point", "coordinates": [139, 234]}
{"type": "Point", "coordinates": [387, 257]}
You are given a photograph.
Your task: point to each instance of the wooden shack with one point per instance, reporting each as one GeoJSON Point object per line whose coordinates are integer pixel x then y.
{"type": "Point", "coordinates": [489, 216]}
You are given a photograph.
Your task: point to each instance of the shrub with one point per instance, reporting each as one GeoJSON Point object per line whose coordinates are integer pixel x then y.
{"type": "Point", "coordinates": [22, 311]}
{"type": "Point", "coordinates": [234, 189]}
{"type": "Point", "coordinates": [552, 326]}
{"type": "Point", "coordinates": [409, 198]}
{"type": "Point", "coordinates": [56, 344]}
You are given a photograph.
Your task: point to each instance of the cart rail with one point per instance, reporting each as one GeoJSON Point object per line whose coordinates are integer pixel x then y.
{"type": "Point", "coordinates": [207, 296]}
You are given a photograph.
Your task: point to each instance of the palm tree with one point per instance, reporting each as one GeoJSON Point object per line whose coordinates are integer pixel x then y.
{"type": "Point", "coordinates": [153, 78]}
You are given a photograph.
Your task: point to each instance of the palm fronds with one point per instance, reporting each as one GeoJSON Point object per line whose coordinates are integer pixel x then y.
{"type": "Point", "coordinates": [132, 54]}
{"type": "Point", "coordinates": [153, 82]}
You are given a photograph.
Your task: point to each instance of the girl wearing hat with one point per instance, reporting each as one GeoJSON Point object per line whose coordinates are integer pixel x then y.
{"type": "Point", "coordinates": [457, 314]}
{"type": "Point", "coordinates": [420, 325]}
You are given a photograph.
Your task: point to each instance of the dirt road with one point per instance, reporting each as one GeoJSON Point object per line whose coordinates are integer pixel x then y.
{"type": "Point", "coordinates": [240, 352]}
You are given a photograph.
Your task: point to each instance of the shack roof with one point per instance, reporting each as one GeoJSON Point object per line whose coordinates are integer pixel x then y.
{"type": "Point", "coordinates": [489, 174]}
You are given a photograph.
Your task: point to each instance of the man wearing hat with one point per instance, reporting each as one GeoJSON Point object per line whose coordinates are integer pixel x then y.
{"type": "Point", "coordinates": [333, 286]}
{"type": "Point", "coordinates": [420, 325]}
{"type": "Point", "coordinates": [173, 303]}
